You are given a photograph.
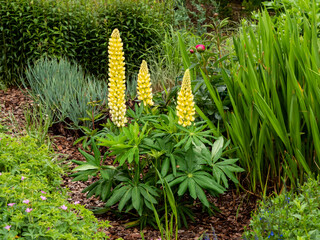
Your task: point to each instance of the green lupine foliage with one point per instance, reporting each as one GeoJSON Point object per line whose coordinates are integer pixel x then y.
{"type": "Point", "coordinates": [21, 157]}
{"type": "Point", "coordinates": [275, 94]}
{"type": "Point", "coordinates": [77, 30]}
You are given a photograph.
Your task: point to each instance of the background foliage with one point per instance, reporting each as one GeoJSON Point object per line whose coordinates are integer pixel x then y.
{"type": "Point", "coordinates": [77, 30]}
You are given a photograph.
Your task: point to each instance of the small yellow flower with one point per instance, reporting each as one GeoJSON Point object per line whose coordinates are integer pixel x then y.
{"type": "Point", "coordinates": [144, 85]}
{"type": "Point", "coordinates": [117, 86]}
{"type": "Point", "coordinates": [185, 107]}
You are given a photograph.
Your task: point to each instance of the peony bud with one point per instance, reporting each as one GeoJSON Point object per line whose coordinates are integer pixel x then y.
{"type": "Point", "coordinates": [191, 51]}
{"type": "Point", "coordinates": [200, 48]}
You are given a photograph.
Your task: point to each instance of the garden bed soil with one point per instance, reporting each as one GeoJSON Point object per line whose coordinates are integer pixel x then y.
{"type": "Point", "coordinates": [235, 206]}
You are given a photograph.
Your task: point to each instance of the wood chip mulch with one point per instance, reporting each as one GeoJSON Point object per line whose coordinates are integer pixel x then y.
{"type": "Point", "coordinates": [235, 206]}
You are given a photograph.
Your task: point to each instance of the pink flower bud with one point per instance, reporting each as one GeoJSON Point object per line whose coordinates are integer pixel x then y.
{"type": "Point", "coordinates": [200, 48]}
{"type": "Point", "coordinates": [191, 51]}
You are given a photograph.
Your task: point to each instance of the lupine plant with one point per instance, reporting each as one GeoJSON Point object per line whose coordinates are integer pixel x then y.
{"type": "Point", "coordinates": [154, 149]}
{"type": "Point", "coordinates": [151, 149]}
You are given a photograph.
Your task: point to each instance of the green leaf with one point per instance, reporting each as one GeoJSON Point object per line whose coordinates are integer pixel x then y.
{"type": "Point", "coordinates": [136, 198]}
{"type": "Point", "coordinates": [125, 199]}
{"type": "Point", "coordinates": [217, 145]}
{"type": "Point", "coordinates": [165, 167]}
{"type": "Point", "coordinates": [192, 188]}
{"type": "Point", "coordinates": [87, 156]}
{"type": "Point", "coordinates": [116, 195]}
{"type": "Point", "coordinates": [84, 167]}
{"type": "Point", "coordinates": [202, 196]}
{"type": "Point", "coordinates": [183, 186]}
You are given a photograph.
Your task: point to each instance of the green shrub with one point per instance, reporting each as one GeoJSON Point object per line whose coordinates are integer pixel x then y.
{"type": "Point", "coordinates": [32, 204]}
{"type": "Point", "coordinates": [64, 90]}
{"type": "Point", "coordinates": [78, 30]}
{"type": "Point", "coordinates": [289, 215]}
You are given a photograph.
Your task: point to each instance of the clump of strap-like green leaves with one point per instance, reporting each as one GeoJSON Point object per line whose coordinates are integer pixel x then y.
{"type": "Point", "coordinates": [65, 91]}
{"type": "Point", "coordinates": [275, 95]}
{"type": "Point", "coordinates": [153, 148]}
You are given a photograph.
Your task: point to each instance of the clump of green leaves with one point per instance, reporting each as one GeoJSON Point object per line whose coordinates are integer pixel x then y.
{"type": "Point", "coordinates": [32, 203]}
{"type": "Point", "coordinates": [290, 215]}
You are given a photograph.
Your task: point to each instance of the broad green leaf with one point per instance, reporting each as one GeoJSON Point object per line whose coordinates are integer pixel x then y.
{"type": "Point", "coordinates": [217, 145]}
{"type": "Point", "coordinates": [84, 167]}
{"type": "Point", "coordinates": [116, 195]}
{"type": "Point", "coordinates": [125, 199]}
{"type": "Point", "coordinates": [136, 198]}
{"type": "Point", "coordinates": [192, 188]}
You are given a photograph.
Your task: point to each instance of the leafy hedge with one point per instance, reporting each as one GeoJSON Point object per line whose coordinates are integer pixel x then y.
{"type": "Point", "coordinates": [289, 215]}
{"type": "Point", "coordinates": [76, 29]}
{"type": "Point", "coordinates": [32, 203]}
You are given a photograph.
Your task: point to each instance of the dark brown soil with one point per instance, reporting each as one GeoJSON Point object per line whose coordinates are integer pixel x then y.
{"type": "Point", "coordinates": [235, 206]}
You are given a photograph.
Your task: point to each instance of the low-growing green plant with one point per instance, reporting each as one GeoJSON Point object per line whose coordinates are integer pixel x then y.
{"type": "Point", "coordinates": [32, 203]}
{"type": "Point", "coordinates": [289, 215]}
{"type": "Point", "coordinates": [63, 89]}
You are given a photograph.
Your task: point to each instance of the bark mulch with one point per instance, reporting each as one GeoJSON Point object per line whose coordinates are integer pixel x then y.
{"type": "Point", "coordinates": [235, 206]}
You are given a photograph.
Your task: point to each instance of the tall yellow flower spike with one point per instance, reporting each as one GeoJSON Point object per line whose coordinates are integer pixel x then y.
{"type": "Point", "coordinates": [117, 86]}
{"type": "Point", "coordinates": [185, 107]}
{"type": "Point", "coordinates": [144, 85]}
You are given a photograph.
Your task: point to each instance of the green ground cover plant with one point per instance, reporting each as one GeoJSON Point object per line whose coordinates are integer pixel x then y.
{"type": "Point", "coordinates": [32, 203]}
{"type": "Point", "coordinates": [289, 215]}
{"type": "Point", "coordinates": [77, 30]}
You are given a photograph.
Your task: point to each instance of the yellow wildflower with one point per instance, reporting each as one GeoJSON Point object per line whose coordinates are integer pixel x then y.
{"type": "Point", "coordinates": [117, 87]}
{"type": "Point", "coordinates": [185, 107]}
{"type": "Point", "coordinates": [144, 85]}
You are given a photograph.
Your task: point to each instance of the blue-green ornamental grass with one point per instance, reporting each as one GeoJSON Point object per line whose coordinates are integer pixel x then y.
{"type": "Point", "coordinates": [32, 203]}
{"type": "Point", "coordinates": [289, 215]}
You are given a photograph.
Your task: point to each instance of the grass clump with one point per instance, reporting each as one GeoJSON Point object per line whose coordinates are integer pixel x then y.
{"type": "Point", "coordinates": [64, 90]}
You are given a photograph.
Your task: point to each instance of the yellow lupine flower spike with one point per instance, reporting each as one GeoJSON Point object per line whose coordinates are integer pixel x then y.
{"type": "Point", "coordinates": [185, 107]}
{"type": "Point", "coordinates": [117, 86]}
{"type": "Point", "coordinates": [144, 85]}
